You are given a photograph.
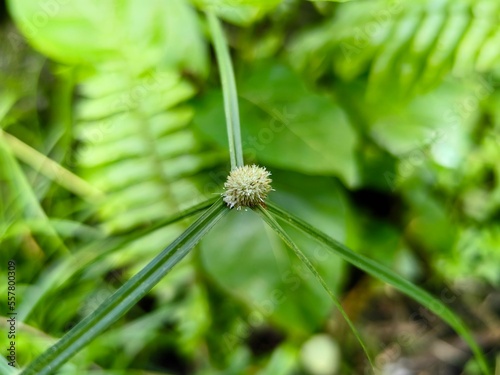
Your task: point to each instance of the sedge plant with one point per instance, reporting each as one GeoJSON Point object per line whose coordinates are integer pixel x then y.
{"type": "Point", "coordinates": [247, 187]}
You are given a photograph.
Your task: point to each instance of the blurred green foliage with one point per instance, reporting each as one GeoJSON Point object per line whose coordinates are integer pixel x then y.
{"type": "Point", "coordinates": [379, 120]}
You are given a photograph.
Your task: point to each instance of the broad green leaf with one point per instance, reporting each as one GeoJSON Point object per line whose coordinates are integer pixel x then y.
{"type": "Point", "coordinates": [437, 120]}
{"type": "Point", "coordinates": [93, 31]}
{"type": "Point", "coordinates": [284, 124]}
{"type": "Point", "coordinates": [273, 286]}
{"type": "Point", "coordinates": [127, 296]}
{"type": "Point", "coordinates": [270, 220]}
{"type": "Point", "coordinates": [269, 273]}
{"type": "Point", "coordinates": [385, 274]}
{"type": "Point", "coordinates": [320, 200]}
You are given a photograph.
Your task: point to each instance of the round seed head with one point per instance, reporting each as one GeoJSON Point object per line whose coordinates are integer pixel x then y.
{"type": "Point", "coordinates": [247, 186]}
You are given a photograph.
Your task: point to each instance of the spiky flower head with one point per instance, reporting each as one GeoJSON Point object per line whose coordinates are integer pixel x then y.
{"type": "Point", "coordinates": [247, 186]}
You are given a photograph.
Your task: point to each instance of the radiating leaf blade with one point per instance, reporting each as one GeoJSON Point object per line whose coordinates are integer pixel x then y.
{"type": "Point", "coordinates": [83, 257]}
{"type": "Point", "coordinates": [229, 89]}
{"type": "Point", "coordinates": [385, 274]}
{"type": "Point", "coordinates": [127, 296]}
{"type": "Point", "coordinates": [287, 239]}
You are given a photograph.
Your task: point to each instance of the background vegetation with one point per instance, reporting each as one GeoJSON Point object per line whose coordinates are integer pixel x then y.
{"type": "Point", "coordinates": [380, 124]}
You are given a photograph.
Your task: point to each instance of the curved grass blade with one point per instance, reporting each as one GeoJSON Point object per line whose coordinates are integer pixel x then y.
{"type": "Point", "coordinates": [56, 276]}
{"type": "Point", "coordinates": [25, 197]}
{"type": "Point", "coordinates": [51, 169]}
{"type": "Point", "coordinates": [387, 275]}
{"type": "Point", "coordinates": [289, 242]}
{"type": "Point", "coordinates": [229, 91]}
{"type": "Point", "coordinates": [127, 296]}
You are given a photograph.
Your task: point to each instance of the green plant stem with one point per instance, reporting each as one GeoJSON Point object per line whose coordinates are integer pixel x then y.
{"type": "Point", "coordinates": [127, 296]}
{"type": "Point", "coordinates": [289, 242]}
{"type": "Point", "coordinates": [229, 91]}
{"type": "Point", "coordinates": [387, 275]}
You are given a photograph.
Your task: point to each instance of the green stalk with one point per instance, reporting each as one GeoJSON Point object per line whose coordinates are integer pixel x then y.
{"type": "Point", "coordinates": [229, 91]}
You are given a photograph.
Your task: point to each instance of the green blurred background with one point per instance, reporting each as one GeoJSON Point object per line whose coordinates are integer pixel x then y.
{"type": "Point", "coordinates": [379, 121]}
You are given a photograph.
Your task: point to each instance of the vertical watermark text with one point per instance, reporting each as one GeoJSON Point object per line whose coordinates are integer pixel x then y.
{"type": "Point", "coordinates": [11, 307]}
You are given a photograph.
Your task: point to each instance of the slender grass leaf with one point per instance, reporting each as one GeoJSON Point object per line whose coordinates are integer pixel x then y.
{"type": "Point", "coordinates": [24, 197]}
{"type": "Point", "coordinates": [288, 240]}
{"type": "Point", "coordinates": [269, 267]}
{"type": "Point", "coordinates": [229, 90]}
{"type": "Point", "coordinates": [387, 275]}
{"type": "Point", "coordinates": [127, 296]}
{"type": "Point", "coordinates": [51, 169]}
{"type": "Point", "coordinates": [56, 276]}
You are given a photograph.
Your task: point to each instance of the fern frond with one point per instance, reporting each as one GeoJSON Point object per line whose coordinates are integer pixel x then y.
{"type": "Point", "coordinates": [403, 45]}
{"type": "Point", "coordinates": [137, 146]}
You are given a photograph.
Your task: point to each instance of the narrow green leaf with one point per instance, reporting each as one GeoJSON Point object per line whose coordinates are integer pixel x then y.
{"type": "Point", "coordinates": [56, 276]}
{"type": "Point", "coordinates": [51, 169]}
{"type": "Point", "coordinates": [127, 296]}
{"type": "Point", "coordinates": [287, 239]}
{"type": "Point", "coordinates": [387, 275]}
{"type": "Point", "coordinates": [24, 196]}
{"type": "Point", "coordinates": [229, 90]}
